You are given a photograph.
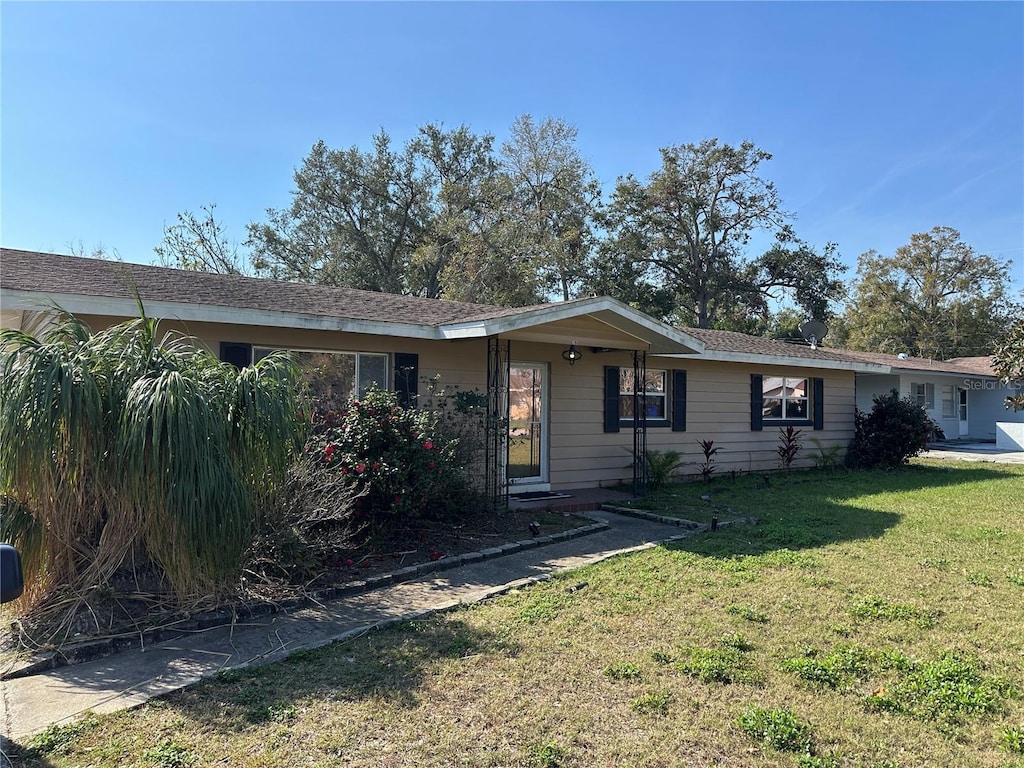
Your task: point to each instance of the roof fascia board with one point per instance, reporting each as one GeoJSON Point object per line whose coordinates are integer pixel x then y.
{"type": "Point", "coordinates": [785, 360]}
{"type": "Point", "coordinates": [206, 313]}
{"type": "Point", "coordinates": [921, 373]}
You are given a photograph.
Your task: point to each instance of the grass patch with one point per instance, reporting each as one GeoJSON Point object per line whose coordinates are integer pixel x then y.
{"type": "Point", "coordinates": [747, 614]}
{"type": "Point", "coordinates": [656, 703]}
{"type": "Point", "coordinates": [839, 669]}
{"type": "Point", "coordinates": [851, 567]}
{"type": "Point", "coordinates": [874, 608]}
{"type": "Point", "coordinates": [948, 689]}
{"type": "Point", "coordinates": [728, 662]}
{"type": "Point", "coordinates": [777, 728]}
{"type": "Point", "coordinates": [622, 671]}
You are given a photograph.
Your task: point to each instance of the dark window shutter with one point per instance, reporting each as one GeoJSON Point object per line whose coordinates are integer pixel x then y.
{"type": "Point", "coordinates": [236, 353]}
{"type": "Point", "coordinates": [819, 403]}
{"type": "Point", "coordinates": [678, 401]}
{"type": "Point", "coordinates": [407, 377]}
{"type": "Point", "coordinates": [611, 398]}
{"type": "Point", "coordinates": [756, 402]}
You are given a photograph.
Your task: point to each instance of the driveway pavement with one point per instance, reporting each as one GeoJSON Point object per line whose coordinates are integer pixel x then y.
{"type": "Point", "coordinates": [956, 451]}
{"type": "Point", "coordinates": [29, 704]}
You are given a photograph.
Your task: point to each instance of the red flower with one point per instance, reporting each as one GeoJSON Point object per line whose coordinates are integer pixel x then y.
{"type": "Point", "coordinates": [328, 451]}
{"type": "Point", "coordinates": [436, 555]}
{"type": "Point", "coordinates": [432, 465]}
{"type": "Point", "coordinates": [349, 562]}
{"type": "Point", "coordinates": [376, 465]}
{"type": "Point", "coordinates": [397, 499]}
{"type": "Point", "coordinates": [428, 445]}
{"type": "Point", "coordinates": [344, 470]}
{"type": "Point", "coordinates": [360, 468]}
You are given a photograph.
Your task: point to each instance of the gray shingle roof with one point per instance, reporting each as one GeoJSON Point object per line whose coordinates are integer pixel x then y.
{"type": "Point", "coordinates": [54, 274]}
{"type": "Point", "coordinates": [975, 366]}
{"type": "Point", "coordinates": [731, 341]}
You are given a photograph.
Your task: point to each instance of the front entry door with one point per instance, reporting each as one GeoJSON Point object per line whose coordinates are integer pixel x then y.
{"type": "Point", "coordinates": [527, 462]}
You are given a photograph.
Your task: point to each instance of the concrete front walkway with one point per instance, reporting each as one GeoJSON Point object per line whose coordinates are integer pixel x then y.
{"type": "Point", "coordinates": [29, 704]}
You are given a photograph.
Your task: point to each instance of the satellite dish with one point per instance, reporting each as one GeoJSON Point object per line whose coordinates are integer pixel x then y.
{"type": "Point", "coordinates": [813, 331]}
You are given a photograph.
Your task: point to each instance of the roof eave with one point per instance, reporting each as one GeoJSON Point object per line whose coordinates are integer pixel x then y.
{"type": "Point", "coordinates": [786, 360]}
{"type": "Point", "coordinates": [656, 337]}
{"type": "Point", "coordinates": [209, 313]}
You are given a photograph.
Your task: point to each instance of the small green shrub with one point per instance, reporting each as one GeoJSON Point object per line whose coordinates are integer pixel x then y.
{"type": "Point", "coordinates": [894, 431]}
{"type": "Point", "coordinates": [777, 728]}
{"type": "Point", "coordinates": [661, 465]}
{"type": "Point", "coordinates": [979, 579]}
{"type": "Point", "coordinates": [622, 671]}
{"type": "Point", "coordinates": [813, 761]}
{"type": "Point", "coordinates": [726, 663]}
{"type": "Point", "coordinates": [547, 755]}
{"type": "Point", "coordinates": [710, 450]}
{"type": "Point", "coordinates": [735, 640]}
{"type": "Point", "coordinates": [876, 608]}
{"type": "Point", "coordinates": [656, 703]}
{"type": "Point", "coordinates": [747, 614]}
{"type": "Point", "coordinates": [1012, 739]}
{"type": "Point", "coordinates": [836, 670]}
{"type": "Point", "coordinates": [789, 446]}
{"type": "Point", "coordinates": [57, 739]}
{"type": "Point", "coordinates": [827, 457]}
{"type": "Point", "coordinates": [168, 754]}
{"type": "Point", "coordinates": [945, 690]}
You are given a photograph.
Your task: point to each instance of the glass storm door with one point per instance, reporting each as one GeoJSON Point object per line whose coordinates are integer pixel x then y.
{"type": "Point", "coordinates": [527, 460]}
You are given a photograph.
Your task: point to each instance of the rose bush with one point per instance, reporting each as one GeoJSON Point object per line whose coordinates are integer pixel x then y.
{"type": "Point", "coordinates": [397, 461]}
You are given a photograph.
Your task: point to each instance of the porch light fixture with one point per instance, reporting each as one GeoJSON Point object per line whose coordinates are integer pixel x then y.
{"type": "Point", "coordinates": [571, 355]}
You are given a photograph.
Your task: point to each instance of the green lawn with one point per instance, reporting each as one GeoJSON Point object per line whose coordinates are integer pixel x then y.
{"type": "Point", "coordinates": [871, 620]}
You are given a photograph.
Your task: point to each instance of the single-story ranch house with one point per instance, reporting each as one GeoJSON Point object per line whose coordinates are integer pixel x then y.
{"type": "Point", "coordinates": [563, 376]}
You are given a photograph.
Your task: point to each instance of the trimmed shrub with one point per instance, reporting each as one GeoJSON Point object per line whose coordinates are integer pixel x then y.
{"type": "Point", "coordinates": [895, 430]}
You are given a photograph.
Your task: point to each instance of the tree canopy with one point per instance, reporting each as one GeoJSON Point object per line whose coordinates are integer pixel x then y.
{"type": "Point", "coordinates": [690, 224]}
{"type": "Point", "coordinates": [1008, 361]}
{"type": "Point", "coordinates": [451, 215]}
{"type": "Point", "coordinates": [935, 297]}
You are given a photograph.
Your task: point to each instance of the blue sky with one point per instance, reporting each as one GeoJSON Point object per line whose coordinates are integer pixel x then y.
{"type": "Point", "coordinates": [884, 119]}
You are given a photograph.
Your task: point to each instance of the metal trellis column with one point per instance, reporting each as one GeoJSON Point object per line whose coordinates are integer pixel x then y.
{"type": "Point", "coordinates": [496, 442]}
{"type": "Point", "coordinates": [639, 423]}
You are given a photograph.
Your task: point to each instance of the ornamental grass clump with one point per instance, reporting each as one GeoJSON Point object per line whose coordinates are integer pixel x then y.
{"type": "Point", "coordinates": [128, 446]}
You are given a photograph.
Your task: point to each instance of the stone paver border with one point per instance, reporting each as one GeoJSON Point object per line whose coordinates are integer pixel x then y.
{"type": "Point", "coordinates": [89, 650]}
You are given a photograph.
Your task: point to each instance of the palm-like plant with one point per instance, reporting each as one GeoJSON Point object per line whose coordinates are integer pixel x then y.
{"type": "Point", "coordinates": [124, 442]}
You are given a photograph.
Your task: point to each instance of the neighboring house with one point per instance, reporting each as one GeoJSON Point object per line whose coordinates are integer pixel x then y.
{"type": "Point", "coordinates": [963, 396]}
{"type": "Point", "coordinates": [559, 378]}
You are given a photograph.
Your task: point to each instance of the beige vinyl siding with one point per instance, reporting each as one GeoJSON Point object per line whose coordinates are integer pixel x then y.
{"type": "Point", "coordinates": [718, 408]}
{"type": "Point", "coordinates": [581, 454]}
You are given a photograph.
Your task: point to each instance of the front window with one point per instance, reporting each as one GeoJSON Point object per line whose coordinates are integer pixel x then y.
{"type": "Point", "coordinates": [923, 395]}
{"type": "Point", "coordinates": [334, 377]}
{"type": "Point", "coordinates": [656, 391]}
{"type": "Point", "coordinates": [784, 398]}
{"type": "Point", "coordinates": [948, 405]}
